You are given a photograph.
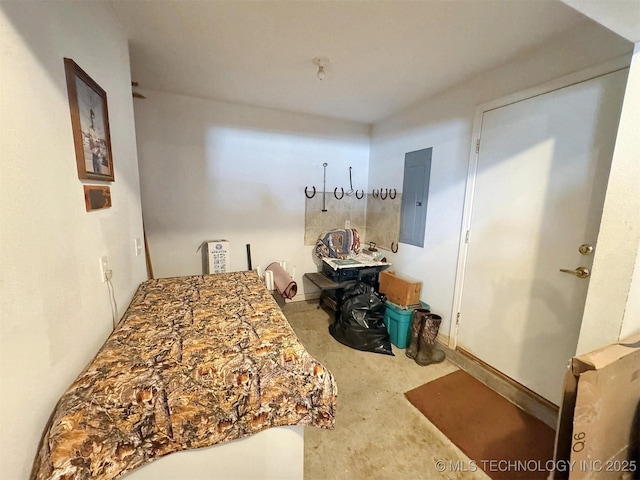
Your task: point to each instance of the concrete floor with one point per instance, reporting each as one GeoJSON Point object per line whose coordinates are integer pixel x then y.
{"type": "Point", "coordinates": [378, 434]}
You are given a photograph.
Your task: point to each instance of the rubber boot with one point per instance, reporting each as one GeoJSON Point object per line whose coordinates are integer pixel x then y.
{"type": "Point", "coordinates": [417, 322]}
{"type": "Point", "coordinates": [427, 351]}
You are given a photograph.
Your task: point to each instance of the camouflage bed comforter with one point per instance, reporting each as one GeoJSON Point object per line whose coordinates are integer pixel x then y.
{"type": "Point", "coordinates": [195, 361]}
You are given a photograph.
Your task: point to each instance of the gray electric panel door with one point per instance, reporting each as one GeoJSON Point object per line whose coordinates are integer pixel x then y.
{"type": "Point", "coordinates": [415, 192]}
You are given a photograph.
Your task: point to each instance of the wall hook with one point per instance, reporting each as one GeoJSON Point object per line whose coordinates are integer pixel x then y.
{"type": "Point", "coordinates": [396, 247]}
{"type": "Point", "coordinates": [324, 187]}
{"type": "Point", "coordinates": [312, 195]}
{"type": "Point", "coordinates": [350, 191]}
{"type": "Point", "coordinates": [375, 194]}
{"type": "Point", "coordinates": [395, 194]}
{"type": "Point", "coordinates": [386, 194]}
{"type": "Point", "coordinates": [359, 196]}
{"type": "Point", "coordinates": [335, 193]}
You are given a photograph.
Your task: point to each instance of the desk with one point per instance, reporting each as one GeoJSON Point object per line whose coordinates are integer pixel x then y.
{"type": "Point", "coordinates": [325, 284]}
{"type": "Point", "coordinates": [359, 262]}
{"type": "Point", "coordinates": [349, 271]}
{"type": "Point", "coordinates": [357, 268]}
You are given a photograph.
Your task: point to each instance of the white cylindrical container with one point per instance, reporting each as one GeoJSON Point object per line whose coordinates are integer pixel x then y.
{"type": "Point", "coordinates": [268, 280]}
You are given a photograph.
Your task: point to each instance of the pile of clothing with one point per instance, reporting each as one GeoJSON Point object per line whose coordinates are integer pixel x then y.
{"type": "Point", "coordinates": [343, 243]}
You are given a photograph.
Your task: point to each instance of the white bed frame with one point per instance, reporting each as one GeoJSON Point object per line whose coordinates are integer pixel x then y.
{"type": "Point", "coordinates": [275, 453]}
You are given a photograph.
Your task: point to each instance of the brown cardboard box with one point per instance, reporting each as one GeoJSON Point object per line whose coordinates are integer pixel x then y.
{"type": "Point", "coordinates": [599, 421]}
{"type": "Point", "coordinates": [400, 290]}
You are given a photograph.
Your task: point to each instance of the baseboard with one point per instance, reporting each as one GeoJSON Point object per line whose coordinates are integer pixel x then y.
{"type": "Point", "coordinates": [513, 391]}
{"type": "Point", "coordinates": [301, 297]}
{"type": "Point", "coordinates": [306, 297]}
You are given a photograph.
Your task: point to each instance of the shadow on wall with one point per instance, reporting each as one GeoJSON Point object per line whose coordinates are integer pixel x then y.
{"type": "Point", "coordinates": [539, 191]}
{"type": "Point", "coordinates": [444, 122]}
{"type": "Point", "coordinates": [205, 175]}
{"type": "Point", "coordinates": [197, 168]}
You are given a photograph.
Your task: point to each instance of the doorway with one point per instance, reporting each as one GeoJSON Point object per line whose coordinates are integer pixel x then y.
{"type": "Point", "coordinates": [537, 191]}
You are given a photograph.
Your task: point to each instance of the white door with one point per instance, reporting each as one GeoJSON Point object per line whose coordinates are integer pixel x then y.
{"type": "Point", "coordinates": [539, 189]}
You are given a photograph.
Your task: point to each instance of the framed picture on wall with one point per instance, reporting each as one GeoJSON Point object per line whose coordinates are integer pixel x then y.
{"type": "Point", "coordinates": [90, 123]}
{"type": "Point", "coordinates": [97, 197]}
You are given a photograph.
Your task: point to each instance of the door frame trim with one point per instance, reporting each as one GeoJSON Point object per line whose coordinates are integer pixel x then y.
{"type": "Point", "coordinates": [611, 66]}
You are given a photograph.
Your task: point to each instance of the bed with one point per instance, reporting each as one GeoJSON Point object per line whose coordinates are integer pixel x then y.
{"type": "Point", "coordinates": [195, 361]}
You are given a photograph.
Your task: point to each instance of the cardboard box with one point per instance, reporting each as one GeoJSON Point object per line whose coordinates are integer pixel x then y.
{"type": "Point", "coordinates": [400, 290]}
{"type": "Point", "coordinates": [599, 421]}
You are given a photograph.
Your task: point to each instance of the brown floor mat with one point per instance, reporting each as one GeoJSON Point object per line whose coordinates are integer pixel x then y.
{"type": "Point", "coordinates": [503, 440]}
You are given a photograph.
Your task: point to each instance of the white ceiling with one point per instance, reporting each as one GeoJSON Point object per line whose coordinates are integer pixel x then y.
{"type": "Point", "coordinates": [620, 16]}
{"type": "Point", "coordinates": [384, 55]}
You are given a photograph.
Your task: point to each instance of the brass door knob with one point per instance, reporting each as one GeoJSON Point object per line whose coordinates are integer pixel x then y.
{"type": "Point", "coordinates": [580, 272]}
{"type": "Point", "coordinates": [585, 249]}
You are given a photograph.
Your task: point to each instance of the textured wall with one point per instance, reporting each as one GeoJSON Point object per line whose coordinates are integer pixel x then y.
{"type": "Point", "coordinates": [611, 310]}
{"type": "Point", "coordinates": [383, 219]}
{"type": "Point", "coordinates": [445, 122]}
{"type": "Point", "coordinates": [55, 310]}
{"type": "Point", "coordinates": [339, 211]}
{"type": "Point", "coordinates": [216, 170]}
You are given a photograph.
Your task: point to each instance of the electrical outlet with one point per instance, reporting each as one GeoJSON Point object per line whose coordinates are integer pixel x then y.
{"type": "Point", "coordinates": [138, 246]}
{"type": "Point", "coordinates": [347, 224]}
{"type": "Point", "coordinates": [104, 266]}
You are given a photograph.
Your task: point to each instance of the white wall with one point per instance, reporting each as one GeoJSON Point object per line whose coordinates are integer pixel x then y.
{"type": "Point", "coordinates": [445, 123]}
{"type": "Point", "coordinates": [631, 320]}
{"type": "Point", "coordinates": [216, 170]}
{"type": "Point", "coordinates": [612, 311]}
{"type": "Point", "coordinates": [55, 311]}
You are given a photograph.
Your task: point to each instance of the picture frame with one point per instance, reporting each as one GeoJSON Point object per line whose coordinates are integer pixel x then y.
{"type": "Point", "coordinates": [97, 197]}
{"type": "Point", "coordinates": [90, 124]}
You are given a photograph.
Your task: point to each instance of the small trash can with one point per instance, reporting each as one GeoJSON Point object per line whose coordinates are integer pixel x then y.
{"type": "Point", "coordinates": [398, 322]}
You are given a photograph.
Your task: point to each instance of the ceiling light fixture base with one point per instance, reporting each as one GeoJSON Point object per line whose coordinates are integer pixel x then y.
{"type": "Point", "coordinates": [321, 62]}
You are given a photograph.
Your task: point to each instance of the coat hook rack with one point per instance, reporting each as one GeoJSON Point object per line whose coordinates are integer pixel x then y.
{"type": "Point", "coordinates": [386, 194]}
{"type": "Point", "coordinates": [307, 194]}
{"type": "Point", "coordinates": [375, 193]}
{"type": "Point", "coordinates": [335, 193]}
{"type": "Point", "coordinates": [394, 249]}
{"type": "Point", "coordinates": [395, 194]}
{"type": "Point", "coordinates": [359, 197]}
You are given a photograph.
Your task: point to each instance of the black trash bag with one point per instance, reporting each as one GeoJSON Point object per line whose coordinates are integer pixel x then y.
{"type": "Point", "coordinates": [360, 323]}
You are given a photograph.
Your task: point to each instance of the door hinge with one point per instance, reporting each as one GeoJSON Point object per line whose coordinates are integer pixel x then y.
{"type": "Point", "coordinates": [458, 319]}
{"type": "Point", "coordinates": [478, 146]}
{"type": "Point", "coordinates": [466, 237]}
